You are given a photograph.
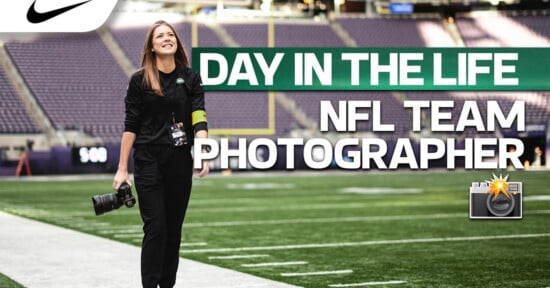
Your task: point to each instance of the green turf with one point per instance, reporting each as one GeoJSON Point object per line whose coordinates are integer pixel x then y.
{"type": "Point", "coordinates": [6, 282]}
{"type": "Point", "coordinates": [271, 212]}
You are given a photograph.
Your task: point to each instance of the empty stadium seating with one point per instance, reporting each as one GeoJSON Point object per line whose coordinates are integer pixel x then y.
{"type": "Point", "coordinates": [538, 24]}
{"type": "Point", "coordinates": [132, 39]}
{"type": "Point", "coordinates": [248, 35]}
{"type": "Point", "coordinates": [310, 35]}
{"type": "Point", "coordinates": [380, 32]}
{"type": "Point", "coordinates": [503, 31]}
{"type": "Point", "coordinates": [14, 119]}
{"type": "Point", "coordinates": [75, 80]}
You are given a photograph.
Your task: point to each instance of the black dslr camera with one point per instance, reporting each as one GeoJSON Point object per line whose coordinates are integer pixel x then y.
{"type": "Point", "coordinates": [109, 202]}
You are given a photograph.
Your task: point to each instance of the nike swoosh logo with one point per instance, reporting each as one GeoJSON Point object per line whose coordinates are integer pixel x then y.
{"type": "Point", "coordinates": [38, 17]}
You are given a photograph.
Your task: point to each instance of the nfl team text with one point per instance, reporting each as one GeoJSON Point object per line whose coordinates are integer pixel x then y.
{"type": "Point", "coordinates": [360, 153]}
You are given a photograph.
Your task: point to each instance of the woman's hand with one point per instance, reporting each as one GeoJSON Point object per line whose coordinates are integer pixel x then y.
{"type": "Point", "coordinates": [121, 176]}
{"type": "Point", "coordinates": [205, 168]}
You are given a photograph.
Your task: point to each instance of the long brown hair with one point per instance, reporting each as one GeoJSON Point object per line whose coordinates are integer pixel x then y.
{"type": "Point", "coordinates": [149, 60]}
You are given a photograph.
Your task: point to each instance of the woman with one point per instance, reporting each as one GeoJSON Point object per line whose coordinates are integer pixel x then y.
{"type": "Point", "coordinates": [164, 112]}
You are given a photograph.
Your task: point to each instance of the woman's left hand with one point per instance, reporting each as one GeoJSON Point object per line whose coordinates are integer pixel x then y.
{"type": "Point", "coordinates": [205, 168]}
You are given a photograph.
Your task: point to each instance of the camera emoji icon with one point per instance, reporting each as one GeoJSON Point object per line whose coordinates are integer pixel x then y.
{"type": "Point", "coordinates": [496, 200]}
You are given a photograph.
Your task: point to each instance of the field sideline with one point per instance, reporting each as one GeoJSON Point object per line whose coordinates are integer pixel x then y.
{"type": "Point", "coordinates": [330, 229]}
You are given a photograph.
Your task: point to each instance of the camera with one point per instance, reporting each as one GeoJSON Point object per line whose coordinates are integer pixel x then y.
{"type": "Point", "coordinates": [108, 202]}
{"type": "Point", "coordinates": [485, 205]}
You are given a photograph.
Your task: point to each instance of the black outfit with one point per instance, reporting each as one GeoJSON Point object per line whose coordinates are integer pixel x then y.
{"type": "Point", "coordinates": [163, 172]}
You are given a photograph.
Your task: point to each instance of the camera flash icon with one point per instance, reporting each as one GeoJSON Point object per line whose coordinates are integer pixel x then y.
{"type": "Point", "coordinates": [496, 199]}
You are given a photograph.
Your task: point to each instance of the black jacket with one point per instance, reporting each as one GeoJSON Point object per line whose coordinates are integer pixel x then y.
{"type": "Point", "coordinates": [149, 116]}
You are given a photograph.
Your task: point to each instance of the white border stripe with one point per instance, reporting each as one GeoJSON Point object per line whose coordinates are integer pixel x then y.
{"type": "Point", "coordinates": [368, 284]}
{"type": "Point", "coordinates": [365, 243]}
{"type": "Point", "coordinates": [317, 273]}
{"type": "Point", "coordinates": [229, 257]}
{"type": "Point", "coordinates": [267, 264]}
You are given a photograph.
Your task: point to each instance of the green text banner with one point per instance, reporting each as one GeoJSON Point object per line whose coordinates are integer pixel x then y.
{"type": "Point", "coordinates": [373, 68]}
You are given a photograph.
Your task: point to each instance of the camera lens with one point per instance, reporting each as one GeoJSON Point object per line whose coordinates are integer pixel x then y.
{"type": "Point", "coordinates": [109, 202]}
{"type": "Point", "coordinates": [105, 203]}
{"type": "Point", "coordinates": [501, 205]}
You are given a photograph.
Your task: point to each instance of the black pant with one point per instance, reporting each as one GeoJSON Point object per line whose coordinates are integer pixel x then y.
{"type": "Point", "coordinates": [163, 176]}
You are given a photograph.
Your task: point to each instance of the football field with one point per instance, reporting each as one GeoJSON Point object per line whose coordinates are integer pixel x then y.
{"type": "Point", "coordinates": [328, 229]}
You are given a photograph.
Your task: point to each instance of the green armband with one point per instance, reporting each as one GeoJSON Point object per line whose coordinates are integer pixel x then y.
{"type": "Point", "coordinates": [198, 117]}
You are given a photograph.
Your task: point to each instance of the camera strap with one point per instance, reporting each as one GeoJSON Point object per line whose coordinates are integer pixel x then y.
{"type": "Point", "coordinates": [177, 128]}
{"type": "Point", "coordinates": [180, 89]}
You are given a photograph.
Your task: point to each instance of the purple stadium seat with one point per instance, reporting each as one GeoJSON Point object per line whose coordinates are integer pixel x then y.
{"type": "Point", "coordinates": [75, 80]}
{"type": "Point", "coordinates": [313, 35]}
{"type": "Point", "coordinates": [13, 116]}
{"type": "Point", "coordinates": [503, 31]}
{"type": "Point", "coordinates": [396, 32]}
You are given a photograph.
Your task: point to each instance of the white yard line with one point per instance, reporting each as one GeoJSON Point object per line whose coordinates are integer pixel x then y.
{"type": "Point", "coordinates": [189, 244]}
{"type": "Point", "coordinates": [261, 186]}
{"type": "Point", "coordinates": [326, 220]}
{"type": "Point", "coordinates": [330, 206]}
{"type": "Point", "coordinates": [313, 220]}
{"type": "Point", "coordinates": [121, 231]}
{"type": "Point", "coordinates": [367, 243]}
{"type": "Point", "coordinates": [536, 198]}
{"type": "Point", "coordinates": [269, 264]}
{"type": "Point", "coordinates": [316, 273]}
{"type": "Point", "coordinates": [128, 235]}
{"type": "Point", "coordinates": [87, 224]}
{"type": "Point", "coordinates": [66, 220]}
{"type": "Point", "coordinates": [380, 190]}
{"type": "Point", "coordinates": [231, 257]}
{"type": "Point", "coordinates": [368, 284]}
{"type": "Point", "coordinates": [536, 212]}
